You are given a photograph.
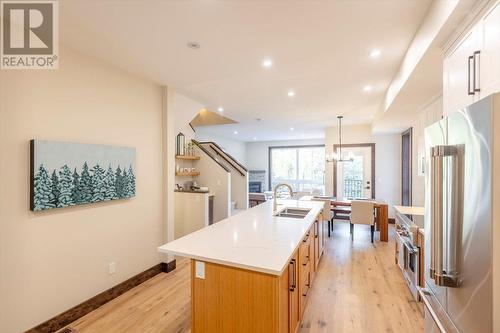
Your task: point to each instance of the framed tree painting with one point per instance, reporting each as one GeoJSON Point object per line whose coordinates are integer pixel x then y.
{"type": "Point", "coordinates": [68, 174]}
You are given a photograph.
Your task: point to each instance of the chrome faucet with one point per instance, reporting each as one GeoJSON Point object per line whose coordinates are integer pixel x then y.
{"type": "Point", "coordinates": [275, 204]}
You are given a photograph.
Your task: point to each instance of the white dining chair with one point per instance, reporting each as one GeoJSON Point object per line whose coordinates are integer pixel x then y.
{"type": "Point", "coordinates": [326, 212]}
{"type": "Point", "coordinates": [362, 212]}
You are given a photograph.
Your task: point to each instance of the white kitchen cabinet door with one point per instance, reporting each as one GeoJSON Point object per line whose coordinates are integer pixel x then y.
{"type": "Point", "coordinates": [457, 73]}
{"type": "Point", "coordinates": [490, 53]}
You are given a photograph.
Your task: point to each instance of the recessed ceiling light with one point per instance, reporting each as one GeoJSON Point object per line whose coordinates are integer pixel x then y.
{"type": "Point", "coordinates": [220, 109]}
{"type": "Point", "coordinates": [375, 53]}
{"type": "Point", "coordinates": [292, 129]}
{"type": "Point", "coordinates": [193, 45]}
{"type": "Point", "coordinates": [267, 63]}
{"type": "Point", "coordinates": [291, 93]}
{"type": "Point", "coordinates": [254, 139]}
{"type": "Point", "coordinates": [235, 132]}
{"type": "Point", "coordinates": [367, 88]}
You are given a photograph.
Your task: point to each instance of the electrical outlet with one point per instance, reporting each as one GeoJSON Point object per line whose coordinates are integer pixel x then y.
{"type": "Point", "coordinates": [200, 270]}
{"type": "Point", "coordinates": [112, 268]}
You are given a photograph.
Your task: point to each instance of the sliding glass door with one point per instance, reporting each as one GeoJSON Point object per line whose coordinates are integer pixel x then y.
{"type": "Point", "coordinates": [303, 167]}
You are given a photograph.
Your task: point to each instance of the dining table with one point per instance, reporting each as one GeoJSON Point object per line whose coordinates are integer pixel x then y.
{"type": "Point", "coordinates": [381, 211]}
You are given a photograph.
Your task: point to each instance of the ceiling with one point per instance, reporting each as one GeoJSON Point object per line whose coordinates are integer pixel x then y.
{"type": "Point", "coordinates": [320, 50]}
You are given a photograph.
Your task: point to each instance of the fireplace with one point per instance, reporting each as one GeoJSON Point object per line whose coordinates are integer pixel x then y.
{"type": "Point", "coordinates": [256, 181]}
{"type": "Point", "coordinates": [255, 187]}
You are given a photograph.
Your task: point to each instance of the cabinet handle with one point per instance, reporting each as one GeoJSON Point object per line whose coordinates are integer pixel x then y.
{"type": "Point", "coordinates": [294, 282]}
{"type": "Point", "coordinates": [476, 73]}
{"type": "Point", "coordinates": [469, 91]}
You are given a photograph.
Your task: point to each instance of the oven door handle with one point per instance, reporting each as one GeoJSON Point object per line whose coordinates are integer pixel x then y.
{"type": "Point", "coordinates": [410, 247]}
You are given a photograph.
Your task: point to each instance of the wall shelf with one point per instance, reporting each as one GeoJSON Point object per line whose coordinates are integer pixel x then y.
{"type": "Point", "coordinates": [188, 174]}
{"type": "Point", "coordinates": [187, 157]}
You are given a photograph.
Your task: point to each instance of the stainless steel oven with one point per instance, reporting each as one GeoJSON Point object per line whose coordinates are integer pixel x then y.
{"type": "Point", "coordinates": [410, 270]}
{"type": "Point", "coordinates": [407, 251]}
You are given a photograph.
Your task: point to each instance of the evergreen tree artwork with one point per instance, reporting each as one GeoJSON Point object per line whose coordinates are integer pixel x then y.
{"type": "Point", "coordinates": [65, 187]}
{"type": "Point", "coordinates": [76, 188]}
{"type": "Point", "coordinates": [74, 175]}
{"type": "Point", "coordinates": [119, 182]}
{"type": "Point", "coordinates": [109, 183]}
{"type": "Point", "coordinates": [55, 189]}
{"type": "Point", "coordinates": [43, 190]}
{"type": "Point", "coordinates": [131, 182]}
{"type": "Point", "coordinates": [98, 185]}
{"type": "Point", "coordinates": [125, 181]}
{"type": "Point", "coordinates": [85, 185]}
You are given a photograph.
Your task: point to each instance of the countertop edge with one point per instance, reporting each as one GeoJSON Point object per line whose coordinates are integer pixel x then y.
{"type": "Point", "coordinates": [260, 269]}
{"type": "Point", "coordinates": [412, 210]}
{"type": "Point", "coordinates": [225, 263]}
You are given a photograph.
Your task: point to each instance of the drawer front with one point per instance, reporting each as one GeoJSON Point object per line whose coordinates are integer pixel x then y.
{"type": "Point", "coordinates": [305, 253]}
{"type": "Point", "coordinates": [305, 285]}
{"type": "Point", "coordinates": [305, 280]}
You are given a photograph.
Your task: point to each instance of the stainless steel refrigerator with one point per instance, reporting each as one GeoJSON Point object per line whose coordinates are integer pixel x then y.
{"type": "Point", "coordinates": [458, 293]}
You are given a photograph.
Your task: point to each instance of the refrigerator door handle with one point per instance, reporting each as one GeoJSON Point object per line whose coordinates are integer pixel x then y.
{"type": "Point", "coordinates": [451, 273]}
{"type": "Point", "coordinates": [436, 255]}
{"type": "Point", "coordinates": [445, 272]}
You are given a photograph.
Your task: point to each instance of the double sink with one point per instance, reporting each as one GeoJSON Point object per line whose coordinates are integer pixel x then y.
{"type": "Point", "coordinates": [296, 213]}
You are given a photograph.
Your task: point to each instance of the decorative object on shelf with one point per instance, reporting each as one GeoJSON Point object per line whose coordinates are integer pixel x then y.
{"type": "Point", "coordinates": [337, 157]}
{"type": "Point", "coordinates": [180, 147]}
{"type": "Point", "coordinates": [184, 157]}
{"type": "Point", "coordinates": [188, 174]}
{"type": "Point", "coordinates": [68, 174]}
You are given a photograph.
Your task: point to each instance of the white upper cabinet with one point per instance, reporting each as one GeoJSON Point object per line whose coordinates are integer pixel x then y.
{"type": "Point", "coordinates": [471, 70]}
{"type": "Point", "coordinates": [457, 74]}
{"type": "Point", "coordinates": [490, 52]}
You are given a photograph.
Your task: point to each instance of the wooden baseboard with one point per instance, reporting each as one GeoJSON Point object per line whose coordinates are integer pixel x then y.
{"type": "Point", "coordinates": [76, 312]}
{"type": "Point", "coordinates": [167, 267]}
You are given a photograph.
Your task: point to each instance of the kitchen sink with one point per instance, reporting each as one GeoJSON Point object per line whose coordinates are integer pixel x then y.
{"type": "Point", "coordinates": [296, 213]}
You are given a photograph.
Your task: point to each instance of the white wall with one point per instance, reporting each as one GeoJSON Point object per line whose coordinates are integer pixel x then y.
{"type": "Point", "coordinates": [257, 153]}
{"type": "Point", "coordinates": [218, 181]}
{"type": "Point", "coordinates": [53, 260]}
{"type": "Point", "coordinates": [184, 110]}
{"type": "Point", "coordinates": [387, 160]}
{"type": "Point", "coordinates": [235, 148]}
{"type": "Point", "coordinates": [428, 115]}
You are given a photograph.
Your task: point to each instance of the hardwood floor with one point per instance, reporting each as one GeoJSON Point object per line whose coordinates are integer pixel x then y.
{"type": "Point", "coordinates": [358, 288]}
{"type": "Point", "coordinates": [161, 304]}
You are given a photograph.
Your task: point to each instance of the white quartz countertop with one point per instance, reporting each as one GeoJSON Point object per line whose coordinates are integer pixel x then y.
{"type": "Point", "coordinates": [253, 239]}
{"type": "Point", "coordinates": [410, 210]}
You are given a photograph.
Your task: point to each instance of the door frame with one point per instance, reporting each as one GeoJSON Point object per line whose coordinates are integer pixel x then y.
{"type": "Point", "coordinates": [408, 132]}
{"type": "Point", "coordinates": [354, 145]}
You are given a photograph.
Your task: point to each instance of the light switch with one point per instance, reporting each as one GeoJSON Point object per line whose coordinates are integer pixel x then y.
{"type": "Point", "coordinates": [200, 270]}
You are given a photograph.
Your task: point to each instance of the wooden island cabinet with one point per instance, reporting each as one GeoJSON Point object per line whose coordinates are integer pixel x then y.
{"type": "Point", "coordinates": [253, 272]}
{"type": "Point", "coordinates": [230, 299]}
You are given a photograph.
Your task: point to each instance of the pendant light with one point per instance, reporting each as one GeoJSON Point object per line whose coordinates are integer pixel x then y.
{"type": "Point", "coordinates": [338, 157]}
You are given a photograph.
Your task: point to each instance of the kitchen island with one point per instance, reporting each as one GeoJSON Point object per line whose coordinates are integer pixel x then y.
{"type": "Point", "coordinates": [252, 272]}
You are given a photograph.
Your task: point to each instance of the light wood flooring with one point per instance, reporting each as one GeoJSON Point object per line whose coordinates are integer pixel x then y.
{"type": "Point", "coordinates": [358, 288]}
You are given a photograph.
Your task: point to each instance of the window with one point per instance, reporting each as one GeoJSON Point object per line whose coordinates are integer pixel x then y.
{"type": "Point", "coordinates": [302, 167]}
{"type": "Point", "coordinates": [353, 178]}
